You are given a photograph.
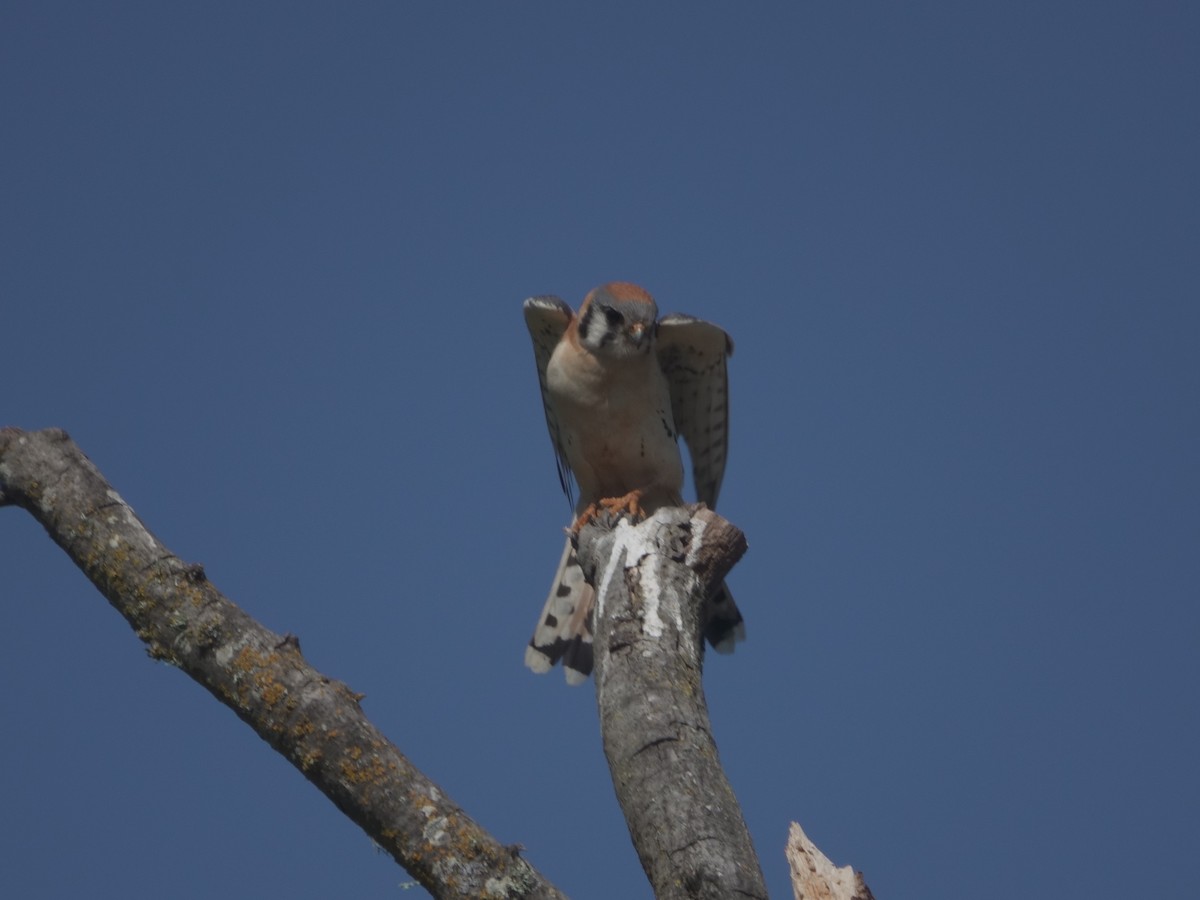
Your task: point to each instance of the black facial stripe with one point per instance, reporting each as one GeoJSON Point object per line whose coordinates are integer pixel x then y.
{"type": "Point", "coordinates": [586, 322]}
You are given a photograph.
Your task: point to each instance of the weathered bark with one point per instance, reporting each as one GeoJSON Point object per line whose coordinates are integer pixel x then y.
{"type": "Point", "coordinates": [651, 581]}
{"type": "Point", "coordinates": [814, 877]}
{"type": "Point", "coordinates": [314, 721]}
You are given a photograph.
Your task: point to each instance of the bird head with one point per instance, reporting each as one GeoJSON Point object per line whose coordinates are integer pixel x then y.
{"type": "Point", "coordinates": [617, 320]}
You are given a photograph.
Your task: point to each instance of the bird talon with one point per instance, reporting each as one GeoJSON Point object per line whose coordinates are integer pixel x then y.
{"type": "Point", "coordinates": [608, 510]}
{"type": "Point", "coordinates": [629, 505]}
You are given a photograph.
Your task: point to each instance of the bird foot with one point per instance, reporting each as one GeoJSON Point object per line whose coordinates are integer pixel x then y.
{"type": "Point", "coordinates": [630, 504]}
{"type": "Point", "coordinates": [611, 508]}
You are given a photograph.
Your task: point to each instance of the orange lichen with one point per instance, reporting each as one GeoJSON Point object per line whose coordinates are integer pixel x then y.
{"type": "Point", "coordinates": [362, 771]}
{"type": "Point", "coordinates": [272, 691]}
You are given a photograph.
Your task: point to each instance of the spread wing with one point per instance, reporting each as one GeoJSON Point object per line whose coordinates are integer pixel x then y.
{"type": "Point", "coordinates": [547, 317]}
{"type": "Point", "coordinates": [692, 354]}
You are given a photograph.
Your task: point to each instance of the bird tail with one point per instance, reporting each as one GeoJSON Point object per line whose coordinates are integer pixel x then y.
{"type": "Point", "coordinates": [565, 630]}
{"type": "Point", "coordinates": [723, 624]}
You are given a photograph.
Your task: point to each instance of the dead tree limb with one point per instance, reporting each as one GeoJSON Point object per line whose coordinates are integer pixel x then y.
{"type": "Point", "coordinates": [651, 582]}
{"type": "Point", "coordinates": [814, 877]}
{"type": "Point", "coordinates": [314, 721]}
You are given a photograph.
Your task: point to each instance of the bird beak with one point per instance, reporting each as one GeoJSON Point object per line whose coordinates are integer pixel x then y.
{"type": "Point", "coordinates": [637, 331]}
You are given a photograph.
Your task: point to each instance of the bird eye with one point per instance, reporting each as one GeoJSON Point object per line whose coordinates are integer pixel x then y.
{"type": "Point", "coordinates": [614, 318]}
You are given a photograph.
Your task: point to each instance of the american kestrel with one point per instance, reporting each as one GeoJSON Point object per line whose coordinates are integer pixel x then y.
{"type": "Point", "coordinates": [619, 387]}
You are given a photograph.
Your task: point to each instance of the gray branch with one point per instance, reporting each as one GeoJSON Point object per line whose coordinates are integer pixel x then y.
{"type": "Point", "coordinates": [651, 583]}
{"type": "Point", "coordinates": [312, 720]}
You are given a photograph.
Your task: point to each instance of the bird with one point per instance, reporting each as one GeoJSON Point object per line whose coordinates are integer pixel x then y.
{"type": "Point", "coordinates": [619, 387]}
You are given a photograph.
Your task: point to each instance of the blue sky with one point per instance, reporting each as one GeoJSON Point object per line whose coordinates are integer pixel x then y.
{"type": "Point", "coordinates": [265, 263]}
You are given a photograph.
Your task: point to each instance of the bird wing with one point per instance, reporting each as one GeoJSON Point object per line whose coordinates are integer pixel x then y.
{"type": "Point", "coordinates": [547, 317]}
{"type": "Point", "coordinates": [692, 354]}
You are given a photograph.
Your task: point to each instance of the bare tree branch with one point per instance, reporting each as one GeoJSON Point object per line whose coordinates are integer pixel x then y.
{"type": "Point", "coordinates": [814, 877]}
{"type": "Point", "coordinates": [651, 582]}
{"type": "Point", "coordinates": [315, 722]}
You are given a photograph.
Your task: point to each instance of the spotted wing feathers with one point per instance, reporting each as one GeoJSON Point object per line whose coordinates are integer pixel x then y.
{"type": "Point", "coordinates": [547, 317]}
{"type": "Point", "coordinates": [692, 354]}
